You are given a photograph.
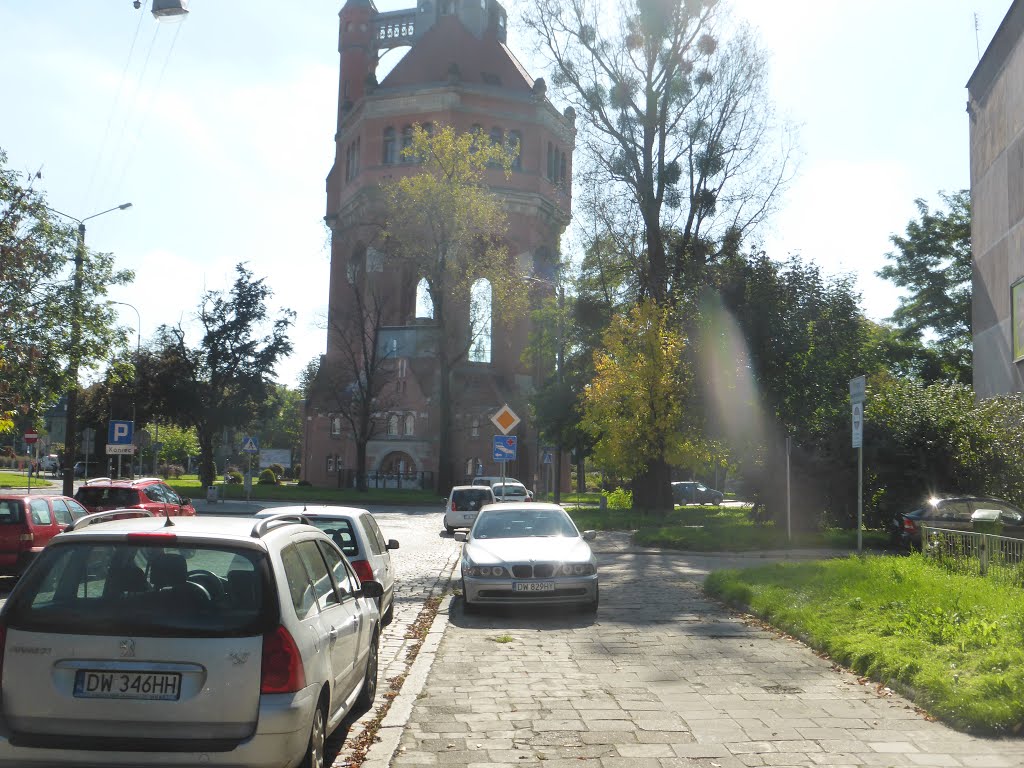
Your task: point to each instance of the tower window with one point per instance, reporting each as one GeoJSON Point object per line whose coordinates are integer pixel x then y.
{"type": "Point", "coordinates": [514, 143]}
{"type": "Point", "coordinates": [424, 304]}
{"type": "Point", "coordinates": [390, 153]}
{"type": "Point", "coordinates": [406, 143]}
{"type": "Point", "coordinates": [551, 162]}
{"type": "Point", "coordinates": [480, 322]}
{"type": "Point", "coordinates": [410, 424]}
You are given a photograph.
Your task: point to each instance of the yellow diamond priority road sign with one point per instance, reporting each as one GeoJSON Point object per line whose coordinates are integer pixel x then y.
{"type": "Point", "coordinates": [505, 419]}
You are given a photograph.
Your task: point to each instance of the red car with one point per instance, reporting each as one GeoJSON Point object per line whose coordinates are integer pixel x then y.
{"type": "Point", "coordinates": [151, 493]}
{"type": "Point", "coordinates": [28, 522]}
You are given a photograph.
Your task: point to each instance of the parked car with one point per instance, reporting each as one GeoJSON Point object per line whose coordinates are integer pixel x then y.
{"type": "Point", "coordinates": [525, 554]}
{"type": "Point", "coordinates": [357, 534]}
{"type": "Point", "coordinates": [246, 642]}
{"type": "Point", "coordinates": [49, 463]}
{"type": "Point", "coordinates": [149, 493]}
{"type": "Point", "coordinates": [690, 492]}
{"type": "Point", "coordinates": [28, 522]}
{"type": "Point", "coordinates": [81, 470]}
{"type": "Point", "coordinates": [957, 512]}
{"type": "Point", "coordinates": [509, 492]}
{"type": "Point", "coordinates": [463, 504]}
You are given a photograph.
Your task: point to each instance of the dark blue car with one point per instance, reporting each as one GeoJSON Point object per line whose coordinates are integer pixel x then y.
{"type": "Point", "coordinates": [691, 492]}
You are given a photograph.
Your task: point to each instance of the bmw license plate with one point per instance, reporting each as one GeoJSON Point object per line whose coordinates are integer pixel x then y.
{"type": "Point", "coordinates": [533, 586]}
{"type": "Point", "coordinates": [102, 684]}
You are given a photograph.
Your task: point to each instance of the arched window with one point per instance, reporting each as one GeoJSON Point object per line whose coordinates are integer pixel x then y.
{"type": "Point", "coordinates": [392, 425]}
{"type": "Point", "coordinates": [563, 165]}
{"type": "Point", "coordinates": [474, 430]}
{"type": "Point", "coordinates": [480, 322]}
{"type": "Point", "coordinates": [410, 424]}
{"type": "Point", "coordinates": [335, 426]}
{"type": "Point", "coordinates": [496, 135]}
{"type": "Point", "coordinates": [390, 154]}
{"type": "Point", "coordinates": [551, 162]}
{"type": "Point", "coordinates": [424, 304]}
{"type": "Point", "coordinates": [406, 143]}
{"type": "Point", "coordinates": [514, 143]}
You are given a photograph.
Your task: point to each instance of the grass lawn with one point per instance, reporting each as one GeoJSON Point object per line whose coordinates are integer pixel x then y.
{"type": "Point", "coordinates": [716, 529]}
{"type": "Point", "coordinates": [188, 485]}
{"type": "Point", "coordinates": [954, 644]}
{"type": "Point", "coordinates": [17, 480]}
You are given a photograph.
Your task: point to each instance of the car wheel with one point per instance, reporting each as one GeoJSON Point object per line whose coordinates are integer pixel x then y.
{"type": "Point", "coordinates": [591, 607]}
{"type": "Point", "coordinates": [467, 607]}
{"type": "Point", "coordinates": [317, 738]}
{"type": "Point", "coordinates": [449, 529]}
{"type": "Point", "coordinates": [368, 694]}
{"type": "Point", "coordinates": [389, 614]}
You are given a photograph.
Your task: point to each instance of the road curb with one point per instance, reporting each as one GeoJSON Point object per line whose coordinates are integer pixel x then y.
{"type": "Point", "coordinates": [393, 725]}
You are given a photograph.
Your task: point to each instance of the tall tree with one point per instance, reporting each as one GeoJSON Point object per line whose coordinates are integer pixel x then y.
{"type": "Point", "coordinates": [358, 385]}
{"type": "Point", "coordinates": [225, 381]}
{"type": "Point", "coordinates": [932, 263]}
{"type": "Point", "coordinates": [675, 132]}
{"type": "Point", "coordinates": [448, 226]}
{"type": "Point", "coordinates": [37, 299]}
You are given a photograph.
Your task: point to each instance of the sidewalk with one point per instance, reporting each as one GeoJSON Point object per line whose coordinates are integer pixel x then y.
{"type": "Point", "coordinates": [663, 678]}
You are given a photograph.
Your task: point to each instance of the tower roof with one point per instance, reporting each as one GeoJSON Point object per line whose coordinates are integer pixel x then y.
{"type": "Point", "coordinates": [449, 44]}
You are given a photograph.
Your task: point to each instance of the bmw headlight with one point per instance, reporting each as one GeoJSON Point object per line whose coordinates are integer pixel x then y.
{"type": "Point", "coordinates": [577, 569]}
{"type": "Point", "coordinates": [485, 571]}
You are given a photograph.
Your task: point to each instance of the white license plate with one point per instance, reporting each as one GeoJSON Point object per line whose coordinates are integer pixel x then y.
{"type": "Point", "coordinates": [100, 684]}
{"type": "Point", "coordinates": [469, 517]}
{"type": "Point", "coordinates": [533, 586]}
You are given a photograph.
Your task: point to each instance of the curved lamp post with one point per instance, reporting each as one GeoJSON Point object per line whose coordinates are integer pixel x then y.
{"type": "Point", "coordinates": [74, 357]}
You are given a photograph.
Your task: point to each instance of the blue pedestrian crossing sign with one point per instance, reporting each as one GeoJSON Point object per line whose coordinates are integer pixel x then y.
{"type": "Point", "coordinates": [505, 447]}
{"type": "Point", "coordinates": [250, 445]}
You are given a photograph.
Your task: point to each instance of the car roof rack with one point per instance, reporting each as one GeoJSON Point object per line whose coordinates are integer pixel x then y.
{"type": "Point", "coordinates": [110, 514]}
{"type": "Point", "coordinates": [97, 480]}
{"type": "Point", "coordinates": [147, 479]}
{"type": "Point", "coordinates": [264, 524]}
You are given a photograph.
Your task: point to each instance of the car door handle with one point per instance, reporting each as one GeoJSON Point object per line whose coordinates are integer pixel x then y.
{"type": "Point", "coordinates": [333, 634]}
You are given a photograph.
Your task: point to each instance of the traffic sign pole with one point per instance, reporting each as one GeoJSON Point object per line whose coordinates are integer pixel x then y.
{"type": "Point", "coordinates": [857, 392]}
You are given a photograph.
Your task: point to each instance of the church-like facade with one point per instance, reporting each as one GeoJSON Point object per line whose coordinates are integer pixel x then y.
{"type": "Point", "coordinates": [458, 72]}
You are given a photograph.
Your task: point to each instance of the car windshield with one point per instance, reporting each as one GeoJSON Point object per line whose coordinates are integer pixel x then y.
{"type": "Point", "coordinates": [97, 496]}
{"type": "Point", "coordinates": [341, 531]}
{"type": "Point", "coordinates": [102, 588]}
{"type": "Point", "coordinates": [517, 523]}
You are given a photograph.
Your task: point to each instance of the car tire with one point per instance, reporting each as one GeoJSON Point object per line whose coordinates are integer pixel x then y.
{"type": "Point", "coordinates": [449, 529]}
{"type": "Point", "coordinates": [314, 757]}
{"type": "Point", "coordinates": [368, 694]}
{"type": "Point", "coordinates": [388, 615]}
{"type": "Point", "coordinates": [591, 607]}
{"type": "Point", "coordinates": [467, 607]}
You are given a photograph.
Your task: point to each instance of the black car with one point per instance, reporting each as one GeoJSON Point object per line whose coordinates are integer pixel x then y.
{"type": "Point", "coordinates": [956, 512]}
{"type": "Point", "coordinates": [690, 492]}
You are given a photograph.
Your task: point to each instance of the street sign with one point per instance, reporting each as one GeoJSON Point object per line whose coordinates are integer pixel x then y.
{"type": "Point", "coordinates": [505, 447]}
{"type": "Point", "coordinates": [505, 419]}
{"type": "Point", "coordinates": [120, 433]}
{"type": "Point", "coordinates": [549, 457]}
{"type": "Point", "coordinates": [31, 437]}
{"type": "Point", "coordinates": [858, 424]}
{"type": "Point", "coordinates": [116, 450]}
{"type": "Point", "coordinates": [857, 389]}
{"type": "Point", "coordinates": [250, 445]}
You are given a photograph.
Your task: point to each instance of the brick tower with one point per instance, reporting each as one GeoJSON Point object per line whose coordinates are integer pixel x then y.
{"type": "Point", "coordinates": [458, 71]}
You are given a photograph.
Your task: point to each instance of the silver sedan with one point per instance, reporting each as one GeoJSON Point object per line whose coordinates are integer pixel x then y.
{"type": "Point", "coordinates": [527, 554]}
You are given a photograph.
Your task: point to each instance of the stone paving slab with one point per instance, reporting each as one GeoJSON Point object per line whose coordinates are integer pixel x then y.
{"type": "Point", "coordinates": [662, 678]}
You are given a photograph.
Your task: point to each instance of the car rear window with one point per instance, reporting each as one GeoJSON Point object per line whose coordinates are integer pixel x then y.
{"type": "Point", "coordinates": [89, 587]}
{"type": "Point", "coordinates": [467, 496]}
{"type": "Point", "coordinates": [509, 490]}
{"type": "Point", "coordinates": [10, 512]}
{"type": "Point", "coordinates": [107, 497]}
{"type": "Point", "coordinates": [342, 533]}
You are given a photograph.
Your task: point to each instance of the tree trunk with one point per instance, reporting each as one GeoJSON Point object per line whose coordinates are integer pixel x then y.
{"type": "Point", "coordinates": [444, 447]}
{"type": "Point", "coordinates": [581, 476]}
{"type": "Point", "coordinates": [652, 491]}
{"type": "Point", "coordinates": [207, 470]}
{"type": "Point", "coordinates": [361, 465]}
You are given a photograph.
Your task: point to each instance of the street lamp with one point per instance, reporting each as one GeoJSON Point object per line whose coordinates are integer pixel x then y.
{"type": "Point", "coordinates": [135, 382]}
{"type": "Point", "coordinates": [74, 357]}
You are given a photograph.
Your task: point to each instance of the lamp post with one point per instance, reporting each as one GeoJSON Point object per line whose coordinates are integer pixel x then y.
{"type": "Point", "coordinates": [74, 357]}
{"type": "Point", "coordinates": [135, 379]}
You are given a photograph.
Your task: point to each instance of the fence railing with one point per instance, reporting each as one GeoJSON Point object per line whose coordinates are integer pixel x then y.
{"type": "Point", "coordinates": [971, 553]}
{"type": "Point", "coordinates": [347, 478]}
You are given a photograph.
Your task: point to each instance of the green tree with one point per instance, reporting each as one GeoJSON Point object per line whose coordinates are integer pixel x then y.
{"type": "Point", "coordinates": [281, 424]}
{"type": "Point", "coordinates": [448, 227]}
{"type": "Point", "coordinates": [932, 263]}
{"type": "Point", "coordinates": [37, 250]}
{"type": "Point", "coordinates": [177, 444]}
{"type": "Point", "coordinates": [225, 381]}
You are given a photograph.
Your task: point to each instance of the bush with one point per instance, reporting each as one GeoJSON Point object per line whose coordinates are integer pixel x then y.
{"type": "Point", "coordinates": [171, 470]}
{"type": "Point", "coordinates": [267, 477]}
{"type": "Point", "coordinates": [277, 469]}
{"type": "Point", "coordinates": [234, 477]}
{"type": "Point", "coordinates": [619, 498]}
{"type": "Point", "coordinates": [297, 470]}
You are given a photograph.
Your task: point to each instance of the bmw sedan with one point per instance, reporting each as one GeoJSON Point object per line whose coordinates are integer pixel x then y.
{"type": "Point", "coordinates": [528, 554]}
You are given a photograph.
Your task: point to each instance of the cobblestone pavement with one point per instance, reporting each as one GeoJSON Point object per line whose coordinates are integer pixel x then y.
{"type": "Point", "coordinates": [663, 678]}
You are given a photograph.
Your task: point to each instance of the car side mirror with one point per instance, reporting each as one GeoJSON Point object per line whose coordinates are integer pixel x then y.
{"type": "Point", "coordinates": [459, 535]}
{"type": "Point", "coordinates": [392, 544]}
{"type": "Point", "coordinates": [589, 535]}
{"type": "Point", "coordinates": [372, 589]}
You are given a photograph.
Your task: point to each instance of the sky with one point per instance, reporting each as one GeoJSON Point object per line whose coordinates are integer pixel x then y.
{"type": "Point", "coordinates": [219, 131]}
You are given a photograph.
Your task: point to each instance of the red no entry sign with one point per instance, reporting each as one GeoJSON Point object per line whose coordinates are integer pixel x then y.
{"type": "Point", "coordinates": [31, 437]}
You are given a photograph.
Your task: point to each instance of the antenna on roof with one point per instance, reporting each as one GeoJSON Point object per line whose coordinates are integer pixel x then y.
{"type": "Point", "coordinates": [169, 523]}
{"type": "Point", "coordinates": [977, 44]}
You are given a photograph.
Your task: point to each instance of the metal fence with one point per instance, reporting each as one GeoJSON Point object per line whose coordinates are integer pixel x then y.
{"type": "Point", "coordinates": [971, 553]}
{"type": "Point", "coordinates": [409, 480]}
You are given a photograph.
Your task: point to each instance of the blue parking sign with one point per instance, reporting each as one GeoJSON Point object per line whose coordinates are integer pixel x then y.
{"type": "Point", "coordinates": [120, 432]}
{"type": "Point", "coordinates": [505, 447]}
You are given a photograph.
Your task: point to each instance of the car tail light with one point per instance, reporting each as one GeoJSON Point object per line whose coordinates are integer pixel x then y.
{"type": "Point", "coordinates": [363, 570]}
{"type": "Point", "coordinates": [454, 508]}
{"type": "Point", "coordinates": [909, 525]}
{"type": "Point", "coordinates": [282, 665]}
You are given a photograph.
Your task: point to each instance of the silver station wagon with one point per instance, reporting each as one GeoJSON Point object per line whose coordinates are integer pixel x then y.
{"type": "Point", "coordinates": [184, 641]}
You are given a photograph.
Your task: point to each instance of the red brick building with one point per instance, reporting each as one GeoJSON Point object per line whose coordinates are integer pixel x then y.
{"type": "Point", "coordinates": [458, 71]}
